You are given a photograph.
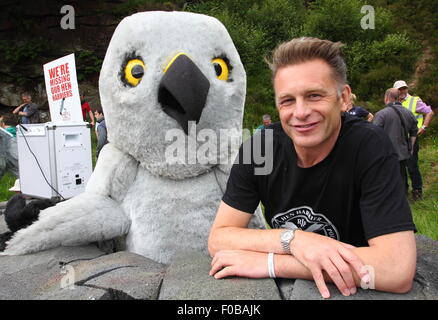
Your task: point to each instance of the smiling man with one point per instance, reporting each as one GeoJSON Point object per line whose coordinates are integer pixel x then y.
{"type": "Point", "coordinates": [333, 200]}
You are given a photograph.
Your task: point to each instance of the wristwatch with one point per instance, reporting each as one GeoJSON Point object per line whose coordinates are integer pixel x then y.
{"type": "Point", "coordinates": [423, 127]}
{"type": "Point", "coordinates": [286, 237]}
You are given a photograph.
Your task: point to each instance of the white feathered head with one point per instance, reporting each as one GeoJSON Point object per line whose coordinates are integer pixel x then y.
{"type": "Point", "coordinates": [164, 72]}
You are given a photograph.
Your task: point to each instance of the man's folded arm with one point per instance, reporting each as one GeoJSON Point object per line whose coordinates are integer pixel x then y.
{"type": "Point", "coordinates": [391, 257]}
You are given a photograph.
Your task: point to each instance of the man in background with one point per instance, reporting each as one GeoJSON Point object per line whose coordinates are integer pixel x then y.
{"type": "Point", "coordinates": [266, 122]}
{"type": "Point", "coordinates": [27, 110]}
{"type": "Point", "coordinates": [401, 127]}
{"type": "Point", "coordinates": [101, 132]}
{"type": "Point", "coordinates": [359, 111]}
{"type": "Point", "coordinates": [423, 113]}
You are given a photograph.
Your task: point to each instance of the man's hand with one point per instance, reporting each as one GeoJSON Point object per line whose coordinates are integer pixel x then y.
{"type": "Point", "coordinates": [248, 264]}
{"type": "Point", "coordinates": [17, 109]}
{"type": "Point", "coordinates": [421, 131]}
{"type": "Point", "coordinates": [319, 253]}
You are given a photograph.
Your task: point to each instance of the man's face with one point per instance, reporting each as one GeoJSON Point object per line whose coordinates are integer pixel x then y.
{"type": "Point", "coordinates": [266, 122]}
{"type": "Point", "coordinates": [308, 104]}
{"type": "Point", "coordinates": [403, 92]}
{"type": "Point", "coordinates": [26, 99]}
{"type": "Point", "coordinates": [97, 115]}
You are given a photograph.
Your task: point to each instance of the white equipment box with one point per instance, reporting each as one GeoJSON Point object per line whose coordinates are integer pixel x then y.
{"type": "Point", "coordinates": [63, 151]}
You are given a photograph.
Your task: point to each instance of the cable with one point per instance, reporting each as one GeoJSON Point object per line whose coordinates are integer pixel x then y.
{"type": "Point", "coordinates": [39, 166]}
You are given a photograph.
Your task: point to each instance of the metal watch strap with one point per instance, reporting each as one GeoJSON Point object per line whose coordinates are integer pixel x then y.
{"type": "Point", "coordinates": [286, 244]}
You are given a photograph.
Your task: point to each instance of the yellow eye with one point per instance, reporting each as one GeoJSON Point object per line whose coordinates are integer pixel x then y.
{"type": "Point", "coordinates": [221, 69]}
{"type": "Point", "coordinates": [134, 71]}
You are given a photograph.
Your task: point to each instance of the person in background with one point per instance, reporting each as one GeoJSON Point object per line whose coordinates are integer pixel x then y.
{"type": "Point", "coordinates": [358, 111]}
{"type": "Point", "coordinates": [423, 113]}
{"type": "Point", "coordinates": [8, 123]}
{"type": "Point", "coordinates": [401, 127]}
{"type": "Point", "coordinates": [86, 110]}
{"type": "Point", "coordinates": [266, 122]}
{"type": "Point", "coordinates": [27, 110]}
{"type": "Point", "coordinates": [101, 132]}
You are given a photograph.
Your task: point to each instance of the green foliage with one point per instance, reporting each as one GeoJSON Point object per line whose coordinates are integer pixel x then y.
{"type": "Point", "coordinates": [334, 20]}
{"type": "Point", "coordinates": [374, 67]}
{"type": "Point", "coordinates": [427, 86]}
{"type": "Point", "coordinates": [16, 52]}
{"type": "Point", "coordinates": [88, 64]}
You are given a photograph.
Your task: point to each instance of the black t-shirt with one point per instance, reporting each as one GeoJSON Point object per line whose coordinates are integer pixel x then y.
{"type": "Point", "coordinates": [354, 194]}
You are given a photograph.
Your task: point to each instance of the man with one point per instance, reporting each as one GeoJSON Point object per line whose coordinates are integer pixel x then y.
{"type": "Point", "coordinates": [266, 122]}
{"type": "Point", "coordinates": [359, 111]}
{"type": "Point", "coordinates": [27, 110]}
{"type": "Point", "coordinates": [423, 113]}
{"type": "Point", "coordinates": [401, 126]}
{"type": "Point", "coordinates": [86, 110]}
{"type": "Point", "coordinates": [101, 133]}
{"type": "Point", "coordinates": [333, 200]}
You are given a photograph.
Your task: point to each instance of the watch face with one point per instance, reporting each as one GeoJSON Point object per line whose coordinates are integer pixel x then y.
{"type": "Point", "coordinates": [286, 236]}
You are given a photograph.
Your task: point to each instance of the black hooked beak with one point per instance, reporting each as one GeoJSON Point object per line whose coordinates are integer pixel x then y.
{"type": "Point", "coordinates": [183, 91]}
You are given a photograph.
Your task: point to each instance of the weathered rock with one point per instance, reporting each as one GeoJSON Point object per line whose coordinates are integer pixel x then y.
{"type": "Point", "coordinates": [30, 276]}
{"type": "Point", "coordinates": [3, 226]}
{"type": "Point", "coordinates": [130, 283]}
{"type": "Point", "coordinates": [425, 282]}
{"type": "Point", "coordinates": [286, 287]}
{"type": "Point", "coordinates": [77, 293]}
{"type": "Point", "coordinates": [187, 278]}
{"type": "Point", "coordinates": [126, 275]}
{"type": "Point", "coordinates": [3, 206]}
{"type": "Point", "coordinates": [427, 267]}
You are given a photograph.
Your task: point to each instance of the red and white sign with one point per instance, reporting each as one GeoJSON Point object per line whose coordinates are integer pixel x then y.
{"type": "Point", "coordinates": [62, 90]}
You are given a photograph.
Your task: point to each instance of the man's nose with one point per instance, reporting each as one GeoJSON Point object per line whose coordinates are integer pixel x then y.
{"type": "Point", "coordinates": [302, 111]}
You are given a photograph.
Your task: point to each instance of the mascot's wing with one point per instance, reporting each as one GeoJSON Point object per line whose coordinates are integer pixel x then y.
{"type": "Point", "coordinates": [93, 215]}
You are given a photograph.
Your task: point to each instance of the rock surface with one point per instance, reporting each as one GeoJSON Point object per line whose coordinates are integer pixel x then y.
{"type": "Point", "coordinates": [187, 278]}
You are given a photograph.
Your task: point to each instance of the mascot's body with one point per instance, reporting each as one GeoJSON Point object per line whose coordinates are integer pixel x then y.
{"type": "Point", "coordinates": [162, 72]}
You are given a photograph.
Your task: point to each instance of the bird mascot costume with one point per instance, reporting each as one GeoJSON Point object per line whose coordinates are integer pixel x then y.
{"type": "Point", "coordinates": [172, 88]}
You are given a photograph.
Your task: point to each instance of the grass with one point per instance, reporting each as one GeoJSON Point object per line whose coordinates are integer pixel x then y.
{"type": "Point", "coordinates": [425, 212]}
{"type": "Point", "coordinates": [6, 182]}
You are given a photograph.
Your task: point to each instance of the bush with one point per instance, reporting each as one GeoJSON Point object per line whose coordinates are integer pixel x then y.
{"type": "Point", "coordinates": [374, 67]}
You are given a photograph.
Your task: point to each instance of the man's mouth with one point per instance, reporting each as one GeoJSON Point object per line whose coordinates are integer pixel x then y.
{"type": "Point", "coordinates": [305, 127]}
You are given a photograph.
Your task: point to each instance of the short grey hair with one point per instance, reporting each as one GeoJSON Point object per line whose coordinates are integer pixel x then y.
{"type": "Point", "coordinates": [304, 49]}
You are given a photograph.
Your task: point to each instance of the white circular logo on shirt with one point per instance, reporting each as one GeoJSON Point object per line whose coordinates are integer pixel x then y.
{"type": "Point", "coordinates": [305, 219]}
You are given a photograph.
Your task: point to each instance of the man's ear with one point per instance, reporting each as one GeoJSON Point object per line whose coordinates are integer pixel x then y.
{"type": "Point", "coordinates": [345, 97]}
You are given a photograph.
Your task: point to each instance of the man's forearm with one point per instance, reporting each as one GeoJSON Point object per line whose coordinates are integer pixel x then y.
{"type": "Point", "coordinates": [385, 275]}
{"type": "Point", "coordinates": [428, 118]}
{"type": "Point", "coordinates": [234, 238]}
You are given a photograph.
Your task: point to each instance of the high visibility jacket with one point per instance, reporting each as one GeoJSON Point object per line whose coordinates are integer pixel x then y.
{"type": "Point", "coordinates": [411, 104]}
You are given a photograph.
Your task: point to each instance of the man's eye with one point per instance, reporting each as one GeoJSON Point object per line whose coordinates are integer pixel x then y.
{"type": "Point", "coordinates": [315, 96]}
{"type": "Point", "coordinates": [287, 102]}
